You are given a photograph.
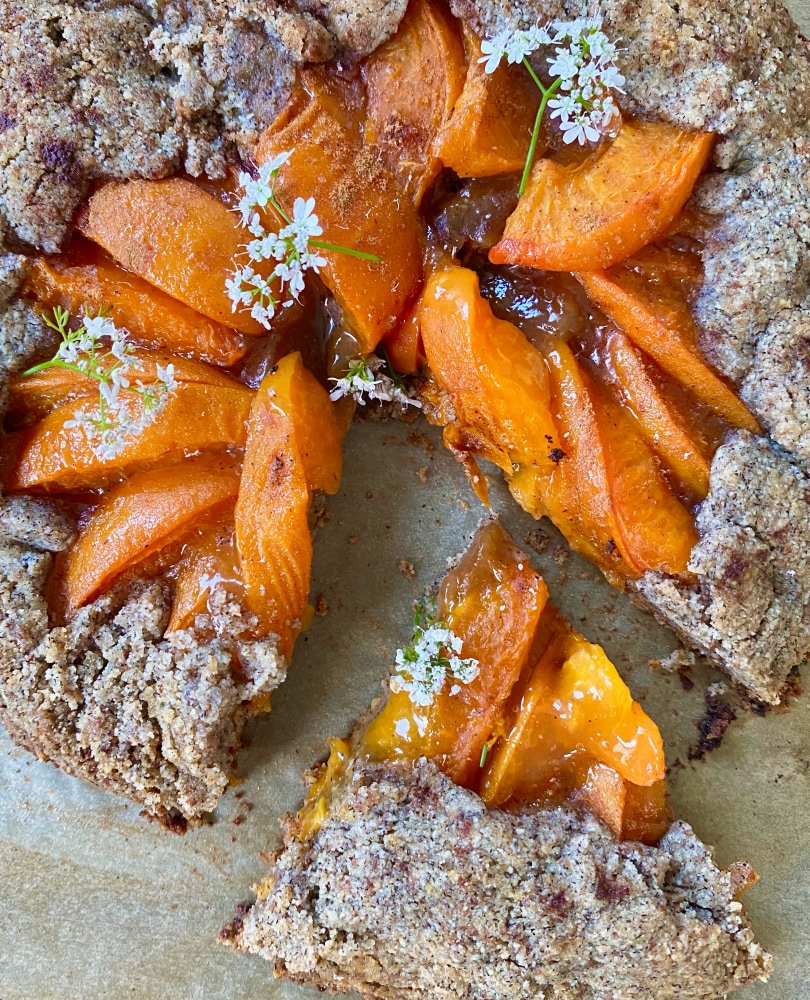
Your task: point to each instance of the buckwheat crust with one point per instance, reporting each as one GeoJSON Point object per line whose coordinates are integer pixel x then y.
{"type": "Point", "coordinates": [413, 888]}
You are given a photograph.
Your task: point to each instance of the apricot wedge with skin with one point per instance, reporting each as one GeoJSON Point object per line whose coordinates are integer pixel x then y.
{"type": "Point", "coordinates": [623, 300]}
{"type": "Point", "coordinates": [141, 516]}
{"type": "Point", "coordinates": [209, 560]}
{"type": "Point", "coordinates": [495, 378]}
{"type": "Point", "coordinates": [43, 391]}
{"type": "Point", "coordinates": [51, 456]}
{"type": "Point", "coordinates": [657, 420]}
{"type": "Point", "coordinates": [412, 83]}
{"type": "Point", "coordinates": [654, 528]}
{"type": "Point", "coordinates": [152, 318]}
{"type": "Point", "coordinates": [593, 529]}
{"type": "Point", "coordinates": [293, 447]}
{"type": "Point", "coordinates": [490, 128]}
{"type": "Point", "coordinates": [492, 600]}
{"type": "Point", "coordinates": [358, 203]}
{"type": "Point", "coordinates": [577, 704]}
{"type": "Point", "coordinates": [177, 237]}
{"type": "Point", "coordinates": [590, 216]}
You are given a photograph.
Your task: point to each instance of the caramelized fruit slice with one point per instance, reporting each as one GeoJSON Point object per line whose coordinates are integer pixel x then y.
{"type": "Point", "coordinates": [404, 345]}
{"type": "Point", "coordinates": [359, 205]}
{"type": "Point", "coordinates": [177, 237]}
{"type": "Point", "coordinates": [152, 318]}
{"type": "Point", "coordinates": [658, 421]}
{"type": "Point", "coordinates": [592, 215]}
{"type": "Point", "coordinates": [495, 379]}
{"type": "Point", "coordinates": [593, 530]}
{"type": "Point", "coordinates": [53, 456]}
{"type": "Point", "coordinates": [412, 82]}
{"type": "Point", "coordinates": [574, 722]}
{"type": "Point", "coordinates": [209, 561]}
{"type": "Point", "coordinates": [623, 298]}
{"type": "Point", "coordinates": [654, 529]}
{"type": "Point", "coordinates": [490, 129]}
{"type": "Point", "coordinates": [293, 447]}
{"type": "Point", "coordinates": [492, 600]}
{"type": "Point", "coordinates": [40, 393]}
{"type": "Point", "coordinates": [140, 517]}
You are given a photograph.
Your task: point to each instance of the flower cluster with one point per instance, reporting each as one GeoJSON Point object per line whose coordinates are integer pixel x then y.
{"type": "Point", "coordinates": [423, 668]}
{"type": "Point", "coordinates": [584, 74]}
{"type": "Point", "coordinates": [366, 381]}
{"type": "Point", "coordinates": [100, 350]}
{"type": "Point", "coordinates": [586, 109]}
{"type": "Point", "coordinates": [292, 251]}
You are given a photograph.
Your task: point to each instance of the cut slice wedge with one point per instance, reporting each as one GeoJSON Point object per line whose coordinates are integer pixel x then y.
{"type": "Point", "coordinates": [177, 237]}
{"type": "Point", "coordinates": [389, 850]}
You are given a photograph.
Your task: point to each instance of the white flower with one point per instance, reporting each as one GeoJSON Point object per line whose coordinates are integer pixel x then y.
{"type": "Point", "coordinates": [581, 130]}
{"type": "Point", "coordinates": [98, 327]}
{"type": "Point", "coordinates": [564, 64]}
{"type": "Point", "coordinates": [494, 49]}
{"type": "Point", "coordinates": [423, 669]}
{"type": "Point", "coordinates": [304, 219]}
{"type": "Point", "coordinates": [365, 381]}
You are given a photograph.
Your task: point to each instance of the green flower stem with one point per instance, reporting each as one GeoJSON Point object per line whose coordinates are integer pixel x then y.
{"type": "Point", "coordinates": [54, 363]}
{"type": "Point", "coordinates": [280, 210]}
{"type": "Point", "coordinates": [548, 93]}
{"type": "Point", "coordinates": [360, 254]}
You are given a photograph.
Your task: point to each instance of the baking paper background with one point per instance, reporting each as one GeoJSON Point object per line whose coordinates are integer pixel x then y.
{"type": "Point", "coordinates": [96, 902]}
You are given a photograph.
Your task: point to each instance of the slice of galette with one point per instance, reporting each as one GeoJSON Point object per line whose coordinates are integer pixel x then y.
{"type": "Point", "coordinates": [499, 826]}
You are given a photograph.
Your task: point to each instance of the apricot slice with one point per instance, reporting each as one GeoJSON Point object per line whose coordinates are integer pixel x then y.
{"type": "Point", "coordinates": [492, 600]}
{"type": "Point", "coordinates": [654, 528]}
{"type": "Point", "coordinates": [577, 706]}
{"type": "Point", "coordinates": [358, 203]}
{"type": "Point", "coordinates": [209, 561]}
{"type": "Point", "coordinates": [43, 391]}
{"type": "Point", "coordinates": [293, 447]}
{"type": "Point", "coordinates": [656, 418]}
{"type": "Point", "coordinates": [141, 516]}
{"type": "Point", "coordinates": [152, 318]}
{"type": "Point", "coordinates": [622, 298]}
{"type": "Point", "coordinates": [589, 216]}
{"type": "Point", "coordinates": [647, 813]}
{"type": "Point", "coordinates": [412, 83]}
{"type": "Point", "coordinates": [52, 456]}
{"type": "Point", "coordinates": [490, 128]}
{"type": "Point", "coordinates": [593, 529]}
{"type": "Point", "coordinates": [495, 379]}
{"type": "Point", "coordinates": [404, 346]}
{"type": "Point", "coordinates": [177, 237]}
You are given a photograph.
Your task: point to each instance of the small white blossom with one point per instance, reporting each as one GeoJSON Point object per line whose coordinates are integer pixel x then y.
{"type": "Point", "coordinates": [366, 381]}
{"type": "Point", "coordinates": [432, 661]}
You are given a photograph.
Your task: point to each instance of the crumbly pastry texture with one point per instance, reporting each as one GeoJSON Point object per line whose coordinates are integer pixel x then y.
{"type": "Point", "coordinates": [413, 888]}
{"type": "Point", "coordinates": [106, 88]}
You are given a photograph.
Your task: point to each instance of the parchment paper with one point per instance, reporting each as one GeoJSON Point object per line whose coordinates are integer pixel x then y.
{"type": "Point", "coordinates": [96, 902]}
